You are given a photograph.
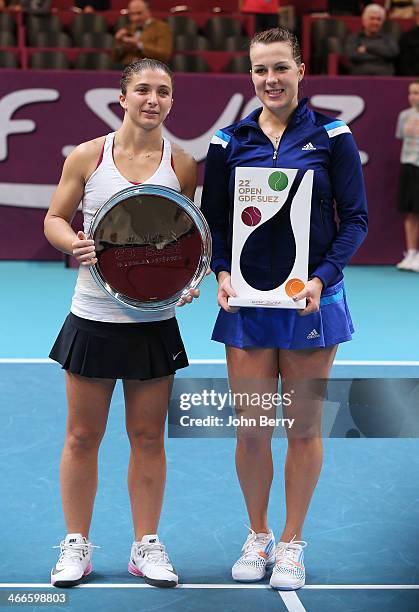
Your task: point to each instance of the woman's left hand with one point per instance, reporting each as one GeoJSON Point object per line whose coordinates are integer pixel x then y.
{"type": "Point", "coordinates": [312, 292]}
{"type": "Point", "coordinates": [187, 299]}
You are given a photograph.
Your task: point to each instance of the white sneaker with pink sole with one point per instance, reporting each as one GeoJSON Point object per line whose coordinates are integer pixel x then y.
{"type": "Point", "coordinates": [149, 560]}
{"type": "Point", "coordinates": [75, 561]}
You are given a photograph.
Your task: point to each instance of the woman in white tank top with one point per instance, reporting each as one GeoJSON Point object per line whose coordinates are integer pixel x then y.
{"type": "Point", "coordinates": [102, 340]}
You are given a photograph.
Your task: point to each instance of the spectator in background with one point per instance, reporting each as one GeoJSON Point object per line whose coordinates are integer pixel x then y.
{"type": "Point", "coordinates": [143, 36]}
{"type": "Point", "coordinates": [399, 9]}
{"type": "Point", "coordinates": [91, 6]}
{"type": "Point", "coordinates": [348, 7]}
{"type": "Point", "coordinates": [409, 48]}
{"type": "Point", "coordinates": [31, 7]}
{"type": "Point", "coordinates": [9, 4]}
{"type": "Point", "coordinates": [408, 131]}
{"type": "Point", "coordinates": [265, 12]}
{"type": "Point", "coordinates": [371, 52]}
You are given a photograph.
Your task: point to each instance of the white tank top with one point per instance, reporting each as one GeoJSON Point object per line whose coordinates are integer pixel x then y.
{"type": "Point", "coordinates": [89, 300]}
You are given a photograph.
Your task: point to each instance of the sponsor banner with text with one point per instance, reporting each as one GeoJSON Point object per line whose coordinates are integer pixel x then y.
{"type": "Point", "coordinates": [44, 115]}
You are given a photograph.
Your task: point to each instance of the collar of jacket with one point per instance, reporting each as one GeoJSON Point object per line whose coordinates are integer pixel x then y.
{"type": "Point", "coordinates": [251, 121]}
{"type": "Point", "coordinates": [145, 25]}
{"type": "Point", "coordinates": [379, 34]}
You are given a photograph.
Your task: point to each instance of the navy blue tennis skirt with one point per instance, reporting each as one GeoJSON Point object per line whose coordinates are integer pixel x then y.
{"type": "Point", "coordinates": [285, 328]}
{"type": "Point", "coordinates": [409, 189]}
{"type": "Point", "coordinates": [136, 351]}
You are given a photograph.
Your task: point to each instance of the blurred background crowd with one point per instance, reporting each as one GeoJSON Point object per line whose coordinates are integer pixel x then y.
{"type": "Point", "coordinates": [338, 36]}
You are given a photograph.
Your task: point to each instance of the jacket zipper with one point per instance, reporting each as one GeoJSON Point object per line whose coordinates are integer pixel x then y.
{"type": "Point", "coordinates": [276, 151]}
{"type": "Point", "coordinates": [275, 154]}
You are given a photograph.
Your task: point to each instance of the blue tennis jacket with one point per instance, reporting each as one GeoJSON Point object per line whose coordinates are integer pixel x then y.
{"type": "Point", "coordinates": [339, 218]}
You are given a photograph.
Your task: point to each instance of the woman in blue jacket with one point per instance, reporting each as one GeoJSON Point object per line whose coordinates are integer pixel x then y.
{"type": "Point", "coordinates": [264, 343]}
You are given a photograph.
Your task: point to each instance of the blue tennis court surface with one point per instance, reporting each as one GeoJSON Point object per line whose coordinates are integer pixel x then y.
{"type": "Point", "coordinates": [36, 297]}
{"type": "Point", "coordinates": [362, 527]}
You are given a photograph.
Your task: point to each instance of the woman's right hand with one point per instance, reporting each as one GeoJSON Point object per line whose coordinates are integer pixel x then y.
{"type": "Point", "coordinates": [84, 250]}
{"type": "Point", "coordinates": [225, 290]}
{"type": "Point", "coordinates": [120, 34]}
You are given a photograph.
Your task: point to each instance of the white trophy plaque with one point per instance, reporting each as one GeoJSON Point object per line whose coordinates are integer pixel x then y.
{"type": "Point", "coordinates": [270, 203]}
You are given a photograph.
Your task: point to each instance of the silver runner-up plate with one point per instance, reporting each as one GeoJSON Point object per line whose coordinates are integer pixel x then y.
{"type": "Point", "coordinates": [152, 245]}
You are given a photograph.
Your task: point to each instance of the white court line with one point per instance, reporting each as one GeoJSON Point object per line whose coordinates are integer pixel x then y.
{"type": "Point", "coordinates": [141, 585]}
{"type": "Point", "coordinates": [368, 587]}
{"type": "Point", "coordinates": [338, 362]}
{"type": "Point", "coordinates": [47, 585]}
{"type": "Point", "coordinates": [344, 362]}
{"type": "Point", "coordinates": [291, 601]}
{"type": "Point", "coordinates": [26, 360]}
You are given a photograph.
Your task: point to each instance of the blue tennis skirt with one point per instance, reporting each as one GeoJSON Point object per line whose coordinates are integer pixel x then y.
{"type": "Point", "coordinates": [285, 328]}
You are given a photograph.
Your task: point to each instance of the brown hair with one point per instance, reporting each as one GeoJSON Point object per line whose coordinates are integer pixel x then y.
{"type": "Point", "coordinates": [279, 34]}
{"type": "Point", "coordinates": [415, 82]}
{"type": "Point", "coordinates": [139, 66]}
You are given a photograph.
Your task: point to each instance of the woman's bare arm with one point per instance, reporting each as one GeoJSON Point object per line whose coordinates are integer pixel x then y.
{"type": "Point", "coordinates": [69, 193]}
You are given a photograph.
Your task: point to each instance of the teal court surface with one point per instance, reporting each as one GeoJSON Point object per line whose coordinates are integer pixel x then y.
{"type": "Point", "coordinates": [363, 525]}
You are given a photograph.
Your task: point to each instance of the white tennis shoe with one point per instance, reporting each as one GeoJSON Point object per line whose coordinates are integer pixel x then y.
{"type": "Point", "coordinates": [409, 261]}
{"type": "Point", "coordinates": [75, 561]}
{"type": "Point", "coordinates": [289, 573]}
{"type": "Point", "coordinates": [150, 561]}
{"type": "Point", "coordinates": [414, 264]}
{"type": "Point", "coordinates": [258, 556]}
